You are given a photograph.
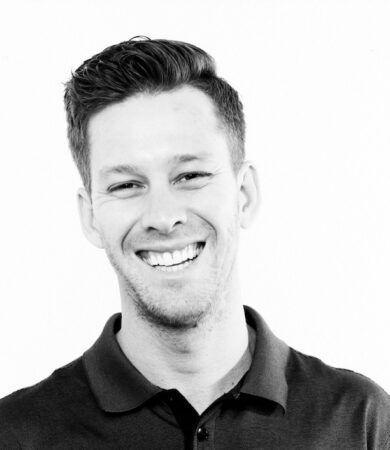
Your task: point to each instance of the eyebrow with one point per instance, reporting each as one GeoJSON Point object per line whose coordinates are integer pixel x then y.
{"type": "Point", "coordinates": [126, 169]}
{"type": "Point", "coordinates": [188, 157]}
{"type": "Point", "coordinates": [131, 169]}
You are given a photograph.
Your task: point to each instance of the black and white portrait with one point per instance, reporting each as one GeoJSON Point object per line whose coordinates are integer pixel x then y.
{"type": "Point", "coordinates": [195, 225]}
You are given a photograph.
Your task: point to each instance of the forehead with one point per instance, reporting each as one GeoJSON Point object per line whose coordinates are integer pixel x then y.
{"type": "Point", "coordinates": [147, 127]}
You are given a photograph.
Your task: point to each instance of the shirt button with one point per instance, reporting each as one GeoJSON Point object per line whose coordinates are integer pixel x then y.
{"type": "Point", "coordinates": [202, 434]}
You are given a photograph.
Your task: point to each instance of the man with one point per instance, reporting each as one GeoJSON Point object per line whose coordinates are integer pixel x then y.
{"type": "Point", "coordinates": [158, 139]}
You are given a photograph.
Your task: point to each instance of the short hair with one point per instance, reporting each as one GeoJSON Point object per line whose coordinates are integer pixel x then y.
{"type": "Point", "coordinates": [143, 65]}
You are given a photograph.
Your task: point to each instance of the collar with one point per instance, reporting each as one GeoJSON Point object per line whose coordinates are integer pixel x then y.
{"type": "Point", "coordinates": [266, 377]}
{"type": "Point", "coordinates": [118, 386]}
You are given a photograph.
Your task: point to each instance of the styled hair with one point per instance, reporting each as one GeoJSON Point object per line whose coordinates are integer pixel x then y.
{"type": "Point", "coordinates": [143, 65]}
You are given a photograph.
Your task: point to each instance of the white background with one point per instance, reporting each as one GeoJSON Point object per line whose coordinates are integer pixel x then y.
{"type": "Point", "coordinates": [314, 78]}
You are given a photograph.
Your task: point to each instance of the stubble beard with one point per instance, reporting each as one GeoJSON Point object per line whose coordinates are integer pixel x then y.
{"type": "Point", "coordinates": [175, 309]}
{"type": "Point", "coordinates": [179, 306]}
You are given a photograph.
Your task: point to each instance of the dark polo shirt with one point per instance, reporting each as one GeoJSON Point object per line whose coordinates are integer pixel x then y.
{"type": "Point", "coordinates": [286, 400]}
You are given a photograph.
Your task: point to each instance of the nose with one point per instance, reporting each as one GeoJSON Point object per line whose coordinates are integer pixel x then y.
{"type": "Point", "coordinates": [163, 211]}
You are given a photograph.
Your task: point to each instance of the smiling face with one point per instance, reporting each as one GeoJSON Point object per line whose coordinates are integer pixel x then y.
{"type": "Point", "coordinates": [165, 204]}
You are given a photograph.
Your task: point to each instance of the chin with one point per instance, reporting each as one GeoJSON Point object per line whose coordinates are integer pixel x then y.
{"type": "Point", "coordinates": [173, 315]}
{"type": "Point", "coordinates": [171, 310]}
{"type": "Point", "coordinates": [172, 321]}
{"type": "Point", "coordinates": [176, 306]}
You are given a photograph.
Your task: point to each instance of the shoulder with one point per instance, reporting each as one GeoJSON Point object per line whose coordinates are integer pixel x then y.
{"type": "Point", "coordinates": [52, 389]}
{"type": "Point", "coordinates": [315, 373]}
{"type": "Point", "coordinates": [30, 408]}
{"type": "Point", "coordinates": [341, 393]}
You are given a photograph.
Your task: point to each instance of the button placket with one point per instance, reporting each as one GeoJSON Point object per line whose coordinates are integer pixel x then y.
{"type": "Point", "coordinates": [202, 433]}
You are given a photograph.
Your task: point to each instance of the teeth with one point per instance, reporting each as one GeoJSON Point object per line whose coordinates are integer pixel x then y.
{"type": "Point", "coordinates": [173, 268]}
{"type": "Point", "coordinates": [169, 260]}
{"type": "Point", "coordinates": [177, 255]}
{"type": "Point", "coordinates": [153, 260]}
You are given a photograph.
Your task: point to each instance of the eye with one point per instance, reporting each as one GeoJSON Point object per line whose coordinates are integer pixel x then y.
{"type": "Point", "coordinates": [127, 186]}
{"type": "Point", "coordinates": [192, 176]}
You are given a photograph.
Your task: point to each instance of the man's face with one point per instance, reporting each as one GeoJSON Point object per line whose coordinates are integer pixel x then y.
{"type": "Point", "coordinates": [165, 203]}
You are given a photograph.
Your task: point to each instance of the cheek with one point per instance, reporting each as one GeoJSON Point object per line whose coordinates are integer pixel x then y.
{"type": "Point", "coordinates": [114, 221]}
{"type": "Point", "coordinates": [217, 197]}
{"type": "Point", "coordinates": [223, 206]}
{"type": "Point", "coordinates": [221, 210]}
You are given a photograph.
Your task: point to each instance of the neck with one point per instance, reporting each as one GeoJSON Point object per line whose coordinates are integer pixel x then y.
{"type": "Point", "coordinates": [194, 361]}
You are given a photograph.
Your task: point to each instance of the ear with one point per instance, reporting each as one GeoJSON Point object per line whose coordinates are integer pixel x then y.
{"type": "Point", "coordinates": [249, 195]}
{"type": "Point", "coordinates": [87, 218]}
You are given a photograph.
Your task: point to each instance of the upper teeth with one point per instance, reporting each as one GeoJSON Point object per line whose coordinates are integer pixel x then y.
{"type": "Point", "coordinates": [170, 258]}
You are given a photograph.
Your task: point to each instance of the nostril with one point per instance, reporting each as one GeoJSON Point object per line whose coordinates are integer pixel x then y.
{"type": "Point", "coordinates": [163, 215]}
